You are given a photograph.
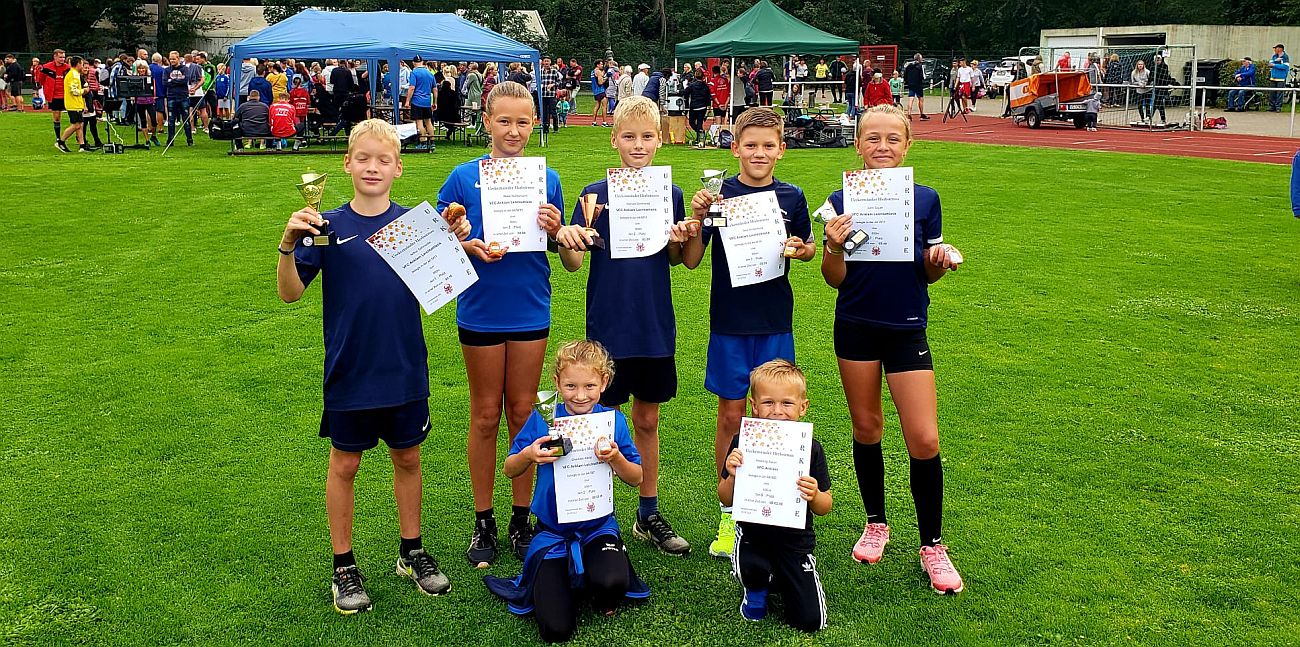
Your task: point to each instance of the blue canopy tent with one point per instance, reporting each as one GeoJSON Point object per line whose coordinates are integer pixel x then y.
{"type": "Point", "coordinates": [380, 36]}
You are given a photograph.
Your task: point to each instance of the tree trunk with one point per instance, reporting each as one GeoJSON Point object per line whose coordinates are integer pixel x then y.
{"type": "Point", "coordinates": [907, 18]}
{"type": "Point", "coordinates": [604, 23]}
{"type": "Point", "coordinates": [29, 15]}
{"type": "Point", "coordinates": [663, 23]}
{"type": "Point", "coordinates": [162, 25]}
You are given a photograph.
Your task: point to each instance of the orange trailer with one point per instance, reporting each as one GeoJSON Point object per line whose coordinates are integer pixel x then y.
{"type": "Point", "coordinates": [1050, 95]}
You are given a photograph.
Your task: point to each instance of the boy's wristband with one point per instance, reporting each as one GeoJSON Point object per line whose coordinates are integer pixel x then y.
{"type": "Point", "coordinates": [282, 252]}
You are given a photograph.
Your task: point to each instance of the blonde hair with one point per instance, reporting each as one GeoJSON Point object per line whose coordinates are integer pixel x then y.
{"type": "Point", "coordinates": [281, 96]}
{"type": "Point", "coordinates": [490, 67]}
{"type": "Point", "coordinates": [449, 71]}
{"type": "Point", "coordinates": [378, 129]}
{"type": "Point", "coordinates": [884, 109]}
{"type": "Point", "coordinates": [587, 354]}
{"type": "Point", "coordinates": [507, 90]}
{"type": "Point", "coordinates": [759, 118]}
{"type": "Point", "coordinates": [778, 371]}
{"type": "Point", "coordinates": [636, 109]}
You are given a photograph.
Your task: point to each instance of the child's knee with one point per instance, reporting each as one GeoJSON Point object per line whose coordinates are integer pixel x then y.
{"type": "Point", "coordinates": [923, 448]}
{"type": "Point", "coordinates": [870, 429]}
{"type": "Point", "coordinates": [805, 617]}
{"type": "Point", "coordinates": [406, 460]}
{"type": "Point", "coordinates": [556, 630]}
{"type": "Point", "coordinates": [344, 464]}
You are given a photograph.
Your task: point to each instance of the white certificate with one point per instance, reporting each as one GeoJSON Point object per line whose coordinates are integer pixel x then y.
{"type": "Point", "coordinates": [420, 247]}
{"type": "Point", "coordinates": [511, 190]}
{"type": "Point", "coordinates": [755, 238]}
{"type": "Point", "coordinates": [776, 453]}
{"type": "Point", "coordinates": [640, 210]}
{"type": "Point", "coordinates": [882, 204]}
{"type": "Point", "coordinates": [584, 486]}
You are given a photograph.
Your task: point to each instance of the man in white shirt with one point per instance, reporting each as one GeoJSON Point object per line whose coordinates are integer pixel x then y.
{"type": "Point", "coordinates": [640, 80]}
{"type": "Point", "coordinates": [330, 64]}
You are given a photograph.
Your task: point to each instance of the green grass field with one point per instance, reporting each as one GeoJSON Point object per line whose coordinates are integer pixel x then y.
{"type": "Point", "coordinates": [1117, 370]}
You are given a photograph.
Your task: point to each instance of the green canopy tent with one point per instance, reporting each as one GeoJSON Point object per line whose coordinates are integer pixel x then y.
{"type": "Point", "coordinates": [764, 29]}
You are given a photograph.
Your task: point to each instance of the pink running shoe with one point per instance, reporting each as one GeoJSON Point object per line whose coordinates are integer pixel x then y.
{"type": "Point", "coordinates": [871, 546]}
{"type": "Point", "coordinates": [943, 575]}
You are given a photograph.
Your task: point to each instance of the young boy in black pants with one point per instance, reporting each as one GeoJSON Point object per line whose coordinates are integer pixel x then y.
{"type": "Point", "coordinates": [772, 558]}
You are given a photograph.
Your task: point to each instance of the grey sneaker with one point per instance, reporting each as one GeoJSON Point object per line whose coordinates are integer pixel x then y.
{"type": "Point", "coordinates": [657, 531]}
{"type": "Point", "coordinates": [423, 568]}
{"type": "Point", "coordinates": [350, 591]}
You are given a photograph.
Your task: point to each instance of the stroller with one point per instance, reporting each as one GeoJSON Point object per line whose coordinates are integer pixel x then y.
{"type": "Point", "coordinates": [813, 131]}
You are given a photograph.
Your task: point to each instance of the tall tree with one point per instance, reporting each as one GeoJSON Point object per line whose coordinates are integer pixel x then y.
{"type": "Point", "coordinates": [162, 24]}
{"type": "Point", "coordinates": [29, 16]}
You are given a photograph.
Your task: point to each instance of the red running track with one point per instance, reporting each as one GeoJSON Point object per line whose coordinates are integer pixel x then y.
{"type": "Point", "coordinates": [1215, 145]}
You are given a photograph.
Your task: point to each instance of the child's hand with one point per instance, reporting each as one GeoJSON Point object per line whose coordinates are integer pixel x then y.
{"type": "Point", "coordinates": [808, 488]}
{"type": "Point", "coordinates": [303, 222]}
{"type": "Point", "coordinates": [682, 231]}
{"type": "Point", "coordinates": [795, 245]}
{"type": "Point", "coordinates": [942, 256]}
{"type": "Point", "coordinates": [548, 218]}
{"type": "Point", "coordinates": [606, 451]}
{"type": "Point", "coordinates": [573, 237]}
{"type": "Point", "coordinates": [479, 249]}
{"type": "Point", "coordinates": [454, 214]}
{"type": "Point", "coordinates": [734, 460]}
{"type": "Point", "coordinates": [837, 230]}
{"type": "Point", "coordinates": [540, 455]}
{"type": "Point", "coordinates": [701, 202]}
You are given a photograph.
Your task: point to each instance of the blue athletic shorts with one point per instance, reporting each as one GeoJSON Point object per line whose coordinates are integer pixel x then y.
{"type": "Point", "coordinates": [916, 92]}
{"type": "Point", "coordinates": [732, 357]}
{"type": "Point", "coordinates": [400, 427]}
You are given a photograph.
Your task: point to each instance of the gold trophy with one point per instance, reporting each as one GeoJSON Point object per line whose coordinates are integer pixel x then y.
{"type": "Point", "coordinates": [545, 407]}
{"type": "Point", "coordinates": [313, 191]}
{"type": "Point", "coordinates": [591, 211]}
{"type": "Point", "coordinates": [712, 181]}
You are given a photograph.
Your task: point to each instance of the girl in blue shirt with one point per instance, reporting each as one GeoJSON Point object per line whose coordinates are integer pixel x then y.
{"type": "Point", "coordinates": [587, 555]}
{"type": "Point", "coordinates": [880, 326]}
{"type": "Point", "coordinates": [504, 321]}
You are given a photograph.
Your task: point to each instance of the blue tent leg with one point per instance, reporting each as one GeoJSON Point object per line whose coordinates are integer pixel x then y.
{"type": "Point", "coordinates": [394, 82]}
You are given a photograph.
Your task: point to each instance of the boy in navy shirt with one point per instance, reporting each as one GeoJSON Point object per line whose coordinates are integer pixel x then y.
{"type": "Point", "coordinates": [773, 558]}
{"type": "Point", "coordinates": [376, 368]}
{"type": "Point", "coordinates": [585, 555]}
{"type": "Point", "coordinates": [752, 324]}
{"type": "Point", "coordinates": [642, 344]}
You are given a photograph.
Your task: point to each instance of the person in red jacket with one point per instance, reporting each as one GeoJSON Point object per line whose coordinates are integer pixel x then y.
{"type": "Point", "coordinates": [878, 93]}
{"type": "Point", "coordinates": [51, 80]}
{"type": "Point", "coordinates": [720, 86]}
{"type": "Point", "coordinates": [284, 119]}
{"type": "Point", "coordinates": [301, 100]}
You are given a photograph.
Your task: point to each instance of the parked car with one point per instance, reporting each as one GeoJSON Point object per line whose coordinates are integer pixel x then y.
{"type": "Point", "coordinates": [1003, 74]}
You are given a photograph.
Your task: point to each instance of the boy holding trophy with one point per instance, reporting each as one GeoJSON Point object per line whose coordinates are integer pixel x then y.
{"type": "Point", "coordinates": [752, 323]}
{"type": "Point", "coordinates": [376, 379]}
{"type": "Point", "coordinates": [634, 280]}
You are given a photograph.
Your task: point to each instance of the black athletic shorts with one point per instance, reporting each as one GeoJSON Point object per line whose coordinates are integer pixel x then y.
{"type": "Point", "coordinates": [56, 105]}
{"type": "Point", "coordinates": [719, 113]}
{"type": "Point", "coordinates": [476, 338]}
{"type": "Point", "coordinates": [648, 379]}
{"type": "Point", "coordinates": [400, 427]}
{"type": "Point", "coordinates": [421, 112]}
{"type": "Point", "coordinates": [898, 350]}
{"type": "Point", "coordinates": [74, 116]}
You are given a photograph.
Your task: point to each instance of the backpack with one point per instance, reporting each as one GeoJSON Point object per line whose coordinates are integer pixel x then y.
{"type": "Point", "coordinates": [725, 139]}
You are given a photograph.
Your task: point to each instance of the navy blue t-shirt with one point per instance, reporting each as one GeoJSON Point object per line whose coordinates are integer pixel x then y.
{"type": "Point", "coordinates": [374, 342]}
{"type": "Point", "coordinates": [543, 505]}
{"type": "Point", "coordinates": [765, 308]}
{"type": "Point", "coordinates": [629, 300]}
{"type": "Point", "coordinates": [892, 294]}
{"type": "Point", "coordinates": [421, 81]}
{"type": "Point", "coordinates": [514, 293]}
{"type": "Point", "coordinates": [159, 74]}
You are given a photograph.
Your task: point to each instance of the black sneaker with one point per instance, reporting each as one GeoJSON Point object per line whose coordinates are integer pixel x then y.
{"type": "Point", "coordinates": [58, 143]}
{"type": "Point", "coordinates": [348, 586]}
{"type": "Point", "coordinates": [657, 531]}
{"type": "Point", "coordinates": [482, 545]}
{"type": "Point", "coordinates": [83, 149]}
{"type": "Point", "coordinates": [423, 568]}
{"type": "Point", "coordinates": [521, 536]}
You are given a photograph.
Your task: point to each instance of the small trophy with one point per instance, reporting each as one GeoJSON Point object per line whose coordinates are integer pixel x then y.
{"type": "Point", "coordinates": [857, 238]}
{"type": "Point", "coordinates": [591, 211]}
{"type": "Point", "coordinates": [313, 191]}
{"type": "Point", "coordinates": [545, 407]}
{"type": "Point", "coordinates": [712, 181]}
{"type": "Point", "coordinates": [495, 250]}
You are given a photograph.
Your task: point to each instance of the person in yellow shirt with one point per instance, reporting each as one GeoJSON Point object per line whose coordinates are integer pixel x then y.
{"type": "Point", "coordinates": [278, 79]}
{"type": "Point", "coordinates": [821, 73]}
{"type": "Point", "coordinates": [74, 103]}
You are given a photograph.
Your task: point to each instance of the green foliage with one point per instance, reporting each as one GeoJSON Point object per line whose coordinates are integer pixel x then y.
{"type": "Point", "coordinates": [1117, 399]}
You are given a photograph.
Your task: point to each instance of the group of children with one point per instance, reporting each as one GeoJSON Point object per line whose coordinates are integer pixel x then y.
{"type": "Point", "coordinates": [374, 393]}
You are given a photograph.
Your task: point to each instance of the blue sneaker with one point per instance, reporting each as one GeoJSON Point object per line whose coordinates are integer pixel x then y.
{"type": "Point", "coordinates": [754, 605]}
